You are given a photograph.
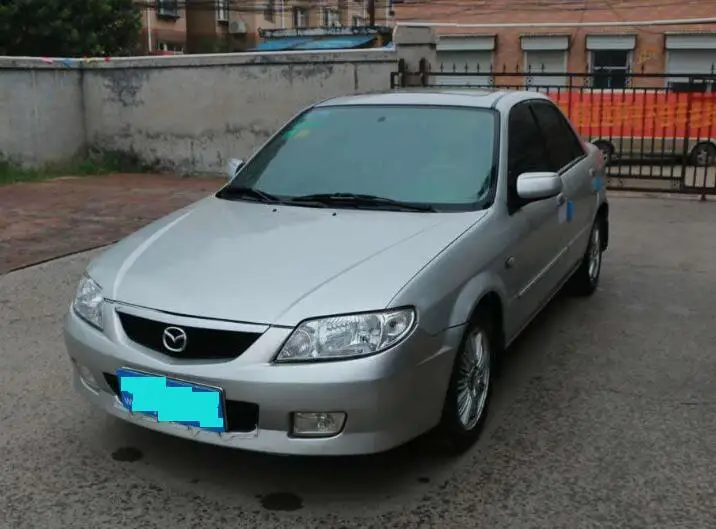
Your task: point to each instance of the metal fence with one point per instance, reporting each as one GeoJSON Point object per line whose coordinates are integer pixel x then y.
{"type": "Point", "coordinates": [657, 132]}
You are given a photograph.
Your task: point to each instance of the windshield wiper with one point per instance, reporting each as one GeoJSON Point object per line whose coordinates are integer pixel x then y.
{"type": "Point", "coordinates": [360, 200]}
{"type": "Point", "coordinates": [249, 193]}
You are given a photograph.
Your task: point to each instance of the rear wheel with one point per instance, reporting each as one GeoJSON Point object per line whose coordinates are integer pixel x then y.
{"type": "Point", "coordinates": [468, 394]}
{"type": "Point", "coordinates": [703, 155]}
{"type": "Point", "coordinates": [585, 280]}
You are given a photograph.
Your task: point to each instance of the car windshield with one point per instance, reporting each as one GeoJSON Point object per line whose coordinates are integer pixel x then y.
{"type": "Point", "coordinates": [441, 157]}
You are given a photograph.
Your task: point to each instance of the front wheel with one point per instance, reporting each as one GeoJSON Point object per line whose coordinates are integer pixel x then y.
{"type": "Point", "coordinates": [468, 394]}
{"type": "Point", "coordinates": [586, 279]}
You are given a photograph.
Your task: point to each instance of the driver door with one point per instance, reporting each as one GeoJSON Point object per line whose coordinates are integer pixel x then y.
{"type": "Point", "coordinates": [531, 277]}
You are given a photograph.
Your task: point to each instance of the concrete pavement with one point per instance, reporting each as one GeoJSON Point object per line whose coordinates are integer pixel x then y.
{"type": "Point", "coordinates": [663, 177]}
{"type": "Point", "coordinates": [605, 417]}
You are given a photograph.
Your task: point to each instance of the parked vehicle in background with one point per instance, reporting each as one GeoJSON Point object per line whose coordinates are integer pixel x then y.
{"type": "Point", "coordinates": [645, 125]}
{"type": "Point", "coordinates": [355, 283]}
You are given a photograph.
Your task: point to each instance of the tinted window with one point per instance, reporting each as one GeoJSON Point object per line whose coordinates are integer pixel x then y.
{"type": "Point", "coordinates": [442, 156]}
{"type": "Point", "coordinates": [526, 150]}
{"type": "Point", "coordinates": [562, 144]}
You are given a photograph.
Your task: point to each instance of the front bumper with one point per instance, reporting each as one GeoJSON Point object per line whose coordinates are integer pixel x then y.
{"type": "Point", "coordinates": [388, 398]}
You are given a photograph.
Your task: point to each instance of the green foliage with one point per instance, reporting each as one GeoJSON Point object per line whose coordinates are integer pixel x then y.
{"type": "Point", "coordinates": [95, 163]}
{"type": "Point", "coordinates": [69, 28]}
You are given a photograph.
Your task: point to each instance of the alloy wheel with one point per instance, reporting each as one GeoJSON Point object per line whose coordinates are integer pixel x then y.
{"type": "Point", "coordinates": [474, 379]}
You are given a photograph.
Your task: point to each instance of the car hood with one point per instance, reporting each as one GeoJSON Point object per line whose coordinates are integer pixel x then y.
{"type": "Point", "coordinates": [250, 262]}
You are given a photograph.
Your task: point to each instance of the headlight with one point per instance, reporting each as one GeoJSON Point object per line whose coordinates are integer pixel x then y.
{"type": "Point", "coordinates": [88, 302]}
{"type": "Point", "coordinates": [350, 336]}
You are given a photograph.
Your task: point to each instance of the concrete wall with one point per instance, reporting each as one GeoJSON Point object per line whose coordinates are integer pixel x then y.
{"type": "Point", "coordinates": [41, 116]}
{"type": "Point", "coordinates": [188, 114]}
{"type": "Point", "coordinates": [185, 114]}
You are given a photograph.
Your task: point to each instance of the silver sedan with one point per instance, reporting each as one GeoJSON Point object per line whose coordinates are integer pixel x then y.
{"type": "Point", "coordinates": [355, 282]}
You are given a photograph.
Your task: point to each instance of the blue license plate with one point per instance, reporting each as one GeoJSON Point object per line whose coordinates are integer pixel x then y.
{"type": "Point", "coordinates": [169, 400]}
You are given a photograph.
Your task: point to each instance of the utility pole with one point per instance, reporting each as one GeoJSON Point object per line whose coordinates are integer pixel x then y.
{"type": "Point", "coordinates": [371, 13]}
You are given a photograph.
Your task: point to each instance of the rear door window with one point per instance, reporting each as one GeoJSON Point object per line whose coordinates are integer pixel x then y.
{"type": "Point", "coordinates": [563, 145]}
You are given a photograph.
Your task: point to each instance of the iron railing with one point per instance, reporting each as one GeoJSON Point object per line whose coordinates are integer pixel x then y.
{"type": "Point", "coordinates": [657, 131]}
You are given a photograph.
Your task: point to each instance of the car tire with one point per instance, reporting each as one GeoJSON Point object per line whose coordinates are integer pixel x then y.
{"type": "Point", "coordinates": [586, 279]}
{"type": "Point", "coordinates": [470, 386]}
{"type": "Point", "coordinates": [703, 155]}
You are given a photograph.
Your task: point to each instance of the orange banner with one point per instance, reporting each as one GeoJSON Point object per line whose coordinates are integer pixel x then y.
{"type": "Point", "coordinates": [633, 114]}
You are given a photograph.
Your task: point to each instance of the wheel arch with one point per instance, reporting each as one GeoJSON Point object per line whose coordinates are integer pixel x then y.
{"type": "Point", "coordinates": [603, 141]}
{"type": "Point", "coordinates": [701, 141]}
{"type": "Point", "coordinates": [485, 289]}
{"type": "Point", "coordinates": [491, 303]}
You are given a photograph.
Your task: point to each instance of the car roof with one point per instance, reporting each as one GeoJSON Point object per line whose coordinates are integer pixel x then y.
{"type": "Point", "coordinates": [474, 98]}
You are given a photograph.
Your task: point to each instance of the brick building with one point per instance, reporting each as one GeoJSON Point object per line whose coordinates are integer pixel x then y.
{"type": "Point", "coordinates": [605, 47]}
{"type": "Point", "coordinates": [232, 25]}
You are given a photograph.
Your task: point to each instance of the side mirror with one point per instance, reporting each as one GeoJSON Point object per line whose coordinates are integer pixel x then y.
{"type": "Point", "coordinates": [233, 167]}
{"type": "Point", "coordinates": [538, 186]}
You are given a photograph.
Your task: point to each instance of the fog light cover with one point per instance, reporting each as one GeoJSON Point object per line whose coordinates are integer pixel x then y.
{"type": "Point", "coordinates": [86, 376]}
{"type": "Point", "coordinates": [317, 424]}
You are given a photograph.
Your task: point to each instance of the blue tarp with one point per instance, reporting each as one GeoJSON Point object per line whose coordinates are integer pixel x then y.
{"type": "Point", "coordinates": [312, 43]}
{"type": "Point", "coordinates": [281, 44]}
{"type": "Point", "coordinates": [336, 43]}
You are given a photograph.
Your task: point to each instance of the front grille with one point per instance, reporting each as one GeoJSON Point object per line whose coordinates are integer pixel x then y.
{"type": "Point", "coordinates": [201, 343]}
{"type": "Point", "coordinates": [240, 416]}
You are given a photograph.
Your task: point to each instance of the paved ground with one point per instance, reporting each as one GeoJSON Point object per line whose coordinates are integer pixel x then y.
{"type": "Point", "coordinates": [41, 220]}
{"type": "Point", "coordinates": [605, 417]}
{"type": "Point", "coordinates": [666, 177]}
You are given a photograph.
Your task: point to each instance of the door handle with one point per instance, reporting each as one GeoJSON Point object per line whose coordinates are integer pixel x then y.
{"type": "Point", "coordinates": [560, 200]}
{"type": "Point", "coordinates": [591, 173]}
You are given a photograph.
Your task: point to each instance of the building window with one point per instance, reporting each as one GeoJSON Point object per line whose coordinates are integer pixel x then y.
{"type": "Point", "coordinates": [222, 10]}
{"type": "Point", "coordinates": [300, 17]}
{"type": "Point", "coordinates": [610, 68]}
{"type": "Point", "coordinates": [168, 8]}
{"type": "Point", "coordinates": [170, 46]}
{"type": "Point", "coordinates": [270, 11]}
{"type": "Point", "coordinates": [358, 22]}
{"type": "Point", "coordinates": [331, 18]}
{"type": "Point", "coordinates": [691, 61]}
{"type": "Point", "coordinates": [541, 67]}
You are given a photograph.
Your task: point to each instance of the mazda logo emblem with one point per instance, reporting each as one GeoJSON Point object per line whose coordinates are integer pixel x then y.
{"type": "Point", "coordinates": [174, 339]}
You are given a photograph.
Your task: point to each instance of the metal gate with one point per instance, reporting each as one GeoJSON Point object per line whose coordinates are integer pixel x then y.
{"type": "Point", "coordinates": [657, 134]}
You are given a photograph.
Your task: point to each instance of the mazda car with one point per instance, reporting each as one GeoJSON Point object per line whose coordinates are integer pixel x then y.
{"type": "Point", "coordinates": [354, 283]}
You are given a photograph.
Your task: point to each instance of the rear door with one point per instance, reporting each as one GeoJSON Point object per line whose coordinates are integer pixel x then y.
{"type": "Point", "coordinates": [569, 158]}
